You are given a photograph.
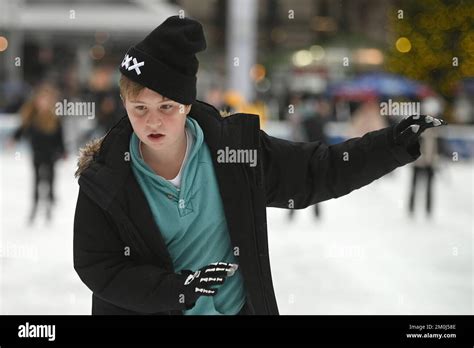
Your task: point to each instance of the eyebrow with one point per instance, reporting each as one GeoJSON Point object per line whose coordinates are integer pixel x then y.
{"type": "Point", "coordinates": [139, 101]}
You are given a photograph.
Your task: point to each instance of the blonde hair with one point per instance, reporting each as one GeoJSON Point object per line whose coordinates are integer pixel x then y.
{"type": "Point", "coordinates": [129, 88]}
{"type": "Point", "coordinates": [45, 120]}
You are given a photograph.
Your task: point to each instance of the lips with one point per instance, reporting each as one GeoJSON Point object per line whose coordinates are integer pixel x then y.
{"type": "Point", "coordinates": [155, 136]}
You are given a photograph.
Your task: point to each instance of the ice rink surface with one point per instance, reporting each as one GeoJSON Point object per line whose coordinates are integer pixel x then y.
{"type": "Point", "coordinates": [365, 256]}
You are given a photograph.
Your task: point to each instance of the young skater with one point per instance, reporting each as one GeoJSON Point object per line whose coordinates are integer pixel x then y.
{"type": "Point", "coordinates": [171, 211]}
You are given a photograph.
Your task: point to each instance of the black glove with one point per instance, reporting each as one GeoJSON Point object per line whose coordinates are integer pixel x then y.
{"type": "Point", "coordinates": [200, 283]}
{"type": "Point", "coordinates": [407, 132]}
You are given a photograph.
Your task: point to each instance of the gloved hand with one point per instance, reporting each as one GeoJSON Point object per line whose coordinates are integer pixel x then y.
{"type": "Point", "coordinates": [407, 132]}
{"type": "Point", "coordinates": [201, 282]}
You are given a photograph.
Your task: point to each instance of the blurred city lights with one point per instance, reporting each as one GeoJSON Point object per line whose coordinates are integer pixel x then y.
{"type": "Point", "coordinates": [317, 52]}
{"type": "Point", "coordinates": [403, 45]}
{"type": "Point", "coordinates": [3, 43]}
{"type": "Point", "coordinates": [97, 52]}
{"type": "Point", "coordinates": [258, 72]}
{"type": "Point", "coordinates": [371, 56]}
{"type": "Point", "coordinates": [101, 37]}
{"type": "Point", "coordinates": [302, 58]}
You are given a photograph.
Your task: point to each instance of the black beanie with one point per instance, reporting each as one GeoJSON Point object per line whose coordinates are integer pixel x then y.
{"type": "Point", "coordinates": [165, 61]}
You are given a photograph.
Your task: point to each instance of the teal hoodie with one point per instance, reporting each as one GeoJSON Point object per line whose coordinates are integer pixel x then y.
{"type": "Point", "coordinates": [192, 221]}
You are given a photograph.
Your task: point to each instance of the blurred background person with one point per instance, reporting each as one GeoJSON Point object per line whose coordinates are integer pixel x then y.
{"type": "Point", "coordinates": [43, 129]}
{"type": "Point", "coordinates": [366, 118]}
{"type": "Point", "coordinates": [424, 168]}
{"type": "Point", "coordinates": [105, 95]}
{"type": "Point", "coordinates": [294, 118]}
{"type": "Point", "coordinates": [308, 124]}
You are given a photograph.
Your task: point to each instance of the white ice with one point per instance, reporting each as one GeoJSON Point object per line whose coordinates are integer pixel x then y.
{"type": "Point", "coordinates": [365, 256]}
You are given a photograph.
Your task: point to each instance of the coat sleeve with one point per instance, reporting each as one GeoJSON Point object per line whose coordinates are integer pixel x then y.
{"type": "Point", "coordinates": [101, 263]}
{"type": "Point", "coordinates": [303, 174]}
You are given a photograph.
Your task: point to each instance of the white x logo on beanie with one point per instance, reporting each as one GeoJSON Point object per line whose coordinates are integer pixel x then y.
{"type": "Point", "coordinates": [136, 65]}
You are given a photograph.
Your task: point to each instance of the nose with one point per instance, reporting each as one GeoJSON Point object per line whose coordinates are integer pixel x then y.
{"type": "Point", "coordinates": [154, 120]}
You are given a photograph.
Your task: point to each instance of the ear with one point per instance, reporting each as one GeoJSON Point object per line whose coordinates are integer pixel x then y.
{"type": "Point", "coordinates": [188, 108]}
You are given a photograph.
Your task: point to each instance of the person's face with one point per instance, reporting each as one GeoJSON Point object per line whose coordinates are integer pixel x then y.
{"type": "Point", "coordinates": [157, 121]}
{"type": "Point", "coordinates": [46, 99]}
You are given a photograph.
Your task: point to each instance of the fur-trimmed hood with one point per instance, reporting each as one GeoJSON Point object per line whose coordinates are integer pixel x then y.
{"type": "Point", "coordinates": [87, 154]}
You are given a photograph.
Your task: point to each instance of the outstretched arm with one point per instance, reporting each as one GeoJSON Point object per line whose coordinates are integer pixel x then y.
{"type": "Point", "coordinates": [303, 174]}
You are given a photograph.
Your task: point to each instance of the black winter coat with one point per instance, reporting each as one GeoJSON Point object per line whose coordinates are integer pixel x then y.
{"type": "Point", "coordinates": [46, 147]}
{"type": "Point", "coordinates": [112, 212]}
